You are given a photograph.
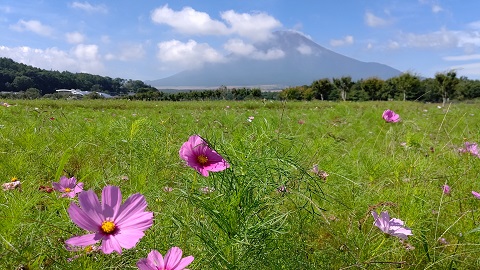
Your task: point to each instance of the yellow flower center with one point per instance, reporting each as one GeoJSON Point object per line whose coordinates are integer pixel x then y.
{"type": "Point", "coordinates": [67, 189]}
{"type": "Point", "coordinates": [202, 159]}
{"type": "Point", "coordinates": [14, 179]}
{"type": "Point", "coordinates": [108, 226]}
{"type": "Point", "coordinates": [88, 249]}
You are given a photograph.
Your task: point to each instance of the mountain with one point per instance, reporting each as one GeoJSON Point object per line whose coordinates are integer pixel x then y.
{"type": "Point", "coordinates": [304, 61]}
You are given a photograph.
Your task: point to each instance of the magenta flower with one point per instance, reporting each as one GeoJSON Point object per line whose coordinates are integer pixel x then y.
{"type": "Point", "coordinates": [198, 155]}
{"type": "Point", "coordinates": [117, 225]}
{"type": "Point", "coordinates": [68, 186]}
{"type": "Point", "coordinates": [471, 148]}
{"type": "Point", "coordinates": [392, 226]}
{"type": "Point", "coordinates": [476, 194]}
{"type": "Point", "coordinates": [172, 261]}
{"type": "Point", "coordinates": [390, 116]}
{"type": "Point", "coordinates": [446, 189]}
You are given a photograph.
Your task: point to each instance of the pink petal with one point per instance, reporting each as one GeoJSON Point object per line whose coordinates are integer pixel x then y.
{"type": "Point", "coordinates": [173, 257]}
{"type": "Point", "coordinates": [82, 241]}
{"type": "Point", "coordinates": [89, 202]}
{"type": "Point", "coordinates": [136, 203]}
{"type": "Point", "coordinates": [144, 264]}
{"type": "Point", "coordinates": [156, 258]}
{"type": "Point", "coordinates": [57, 186]}
{"type": "Point", "coordinates": [83, 219]}
{"type": "Point", "coordinates": [476, 194]}
{"type": "Point", "coordinates": [129, 238]}
{"type": "Point", "coordinates": [78, 188]}
{"type": "Point", "coordinates": [139, 221]}
{"type": "Point", "coordinates": [183, 263]}
{"type": "Point", "coordinates": [111, 200]}
{"type": "Point", "coordinates": [110, 244]}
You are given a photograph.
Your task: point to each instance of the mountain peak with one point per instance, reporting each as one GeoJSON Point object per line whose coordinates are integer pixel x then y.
{"type": "Point", "coordinates": [288, 58]}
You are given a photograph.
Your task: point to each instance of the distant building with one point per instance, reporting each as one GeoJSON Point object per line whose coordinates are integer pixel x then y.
{"type": "Point", "coordinates": [80, 93]}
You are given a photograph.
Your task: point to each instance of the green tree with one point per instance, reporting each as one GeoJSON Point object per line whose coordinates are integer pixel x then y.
{"type": "Point", "coordinates": [322, 88]}
{"type": "Point", "coordinates": [406, 86]}
{"type": "Point", "coordinates": [344, 85]}
{"type": "Point", "coordinates": [32, 93]}
{"type": "Point", "coordinates": [446, 81]}
{"type": "Point", "coordinates": [22, 83]}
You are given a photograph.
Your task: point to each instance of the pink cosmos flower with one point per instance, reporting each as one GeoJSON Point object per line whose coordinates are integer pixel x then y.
{"type": "Point", "coordinates": [117, 225]}
{"type": "Point", "coordinates": [476, 194]}
{"type": "Point", "coordinates": [198, 155]}
{"type": "Point", "coordinates": [172, 261]}
{"type": "Point", "coordinates": [471, 148]}
{"type": "Point", "coordinates": [446, 189]}
{"type": "Point", "coordinates": [390, 116]}
{"type": "Point", "coordinates": [392, 226]}
{"type": "Point", "coordinates": [68, 186]}
{"type": "Point", "coordinates": [12, 185]}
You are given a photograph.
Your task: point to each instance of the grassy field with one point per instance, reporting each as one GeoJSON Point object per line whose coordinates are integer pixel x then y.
{"type": "Point", "coordinates": [249, 221]}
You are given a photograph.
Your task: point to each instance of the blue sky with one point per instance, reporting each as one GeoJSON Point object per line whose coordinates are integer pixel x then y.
{"type": "Point", "coordinates": [150, 39]}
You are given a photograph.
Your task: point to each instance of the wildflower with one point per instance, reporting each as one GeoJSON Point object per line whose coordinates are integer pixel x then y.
{"type": "Point", "coordinates": [471, 148]}
{"type": "Point", "coordinates": [392, 226]}
{"type": "Point", "coordinates": [301, 122]}
{"type": "Point", "coordinates": [442, 241]}
{"type": "Point", "coordinates": [476, 194]}
{"type": "Point", "coordinates": [446, 189]}
{"type": "Point", "coordinates": [198, 155]}
{"type": "Point", "coordinates": [12, 185]}
{"type": "Point", "coordinates": [167, 189]}
{"type": "Point", "coordinates": [124, 177]}
{"type": "Point", "coordinates": [322, 174]}
{"type": "Point", "coordinates": [4, 104]}
{"type": "Point", "coordinates": [68, 186]}
{"type": "Point", "coordinates": [117, 225]}
{"type": "Point", "coordinates": [250, 119]}
{"type": "Point", "coordinates": [206, 190]}
{"type": "Point", "coordinates": [84, 251]}
{"type": "Point", "coordinates": [45, 189]}
{"type": "Point", "coordinates": [390, 116]}
{"type": "Point", "coordinates": [282, 189]}
{"type": "Point", "coordinates": [172, 261]}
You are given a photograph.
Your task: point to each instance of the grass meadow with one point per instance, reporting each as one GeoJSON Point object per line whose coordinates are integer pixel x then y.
{"type": "Point", "coordinates": [247, 220]}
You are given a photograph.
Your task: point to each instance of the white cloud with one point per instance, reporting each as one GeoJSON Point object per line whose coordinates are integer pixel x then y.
{"type": "Point", "coordinates": [304, 49]}
{"type": "Point", "coordinates": [88, 57]}
{"type": "Point", "coordinates": [436, 8]}
{"type": "Point", "coordinates": [187, 55]}
{"type": "Point", "coordinates": [189, 21]}
{"type": "Point", "coordinates": [82, 58]}
{"type": "Point", "coordinates": [85, 6]}
{"type": "Point", "coordinates": [393, 45]}
{"type": "Point", "coordinates": [32, 26]}
{"type": "Point", "coordinates": [374, 21]}
{"type": "Point", "coordinates": [128, 52]}
{"type": "Point", "coordinates": [437, 39]}
{"type": "Point", "coordinates": [347, 40]}
{"type": "Point", "coordinates": [462, 57]}
{"type": "Point", "coordinates": [256, 26]}
{"type": "Point", "coordinates": [240, 48]}
{"type": "Point", "coordinates": [474, 25]}
{"type": "Point", "coordinates": [75, 37]}
{"type": "Point", "coordinates": [472, 69]}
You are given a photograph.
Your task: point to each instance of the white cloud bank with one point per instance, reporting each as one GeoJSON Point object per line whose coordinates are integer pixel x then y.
{"type": "Point", "coordinates": [374, 21]}
{"type": "Point", "coordinates": [240, 48]}
{"type": "Point", "coordinates": [33, 26]}
{"type": "Point", "coordinates": [86, 6]}
{"type": "Point", "coordinates": [347, 40]}
{"type": "Point", "coordinates": [187, 55]}
{"type": "Point", "coordinates": [81, 58]}
{"type": "Point", "coordinates": [255, 26]}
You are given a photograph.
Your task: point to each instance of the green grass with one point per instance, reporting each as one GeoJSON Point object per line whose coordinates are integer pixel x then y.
{"type": "Point", "coordinates": [245, 223]}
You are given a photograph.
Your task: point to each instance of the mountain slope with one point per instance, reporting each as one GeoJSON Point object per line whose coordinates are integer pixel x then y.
{"type": "Point", "coordinates": [304, 61]}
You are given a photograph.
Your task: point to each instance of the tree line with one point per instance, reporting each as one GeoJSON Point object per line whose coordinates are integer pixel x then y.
{"type": "Point", "coordinates": [407, 86]}
{"type": "Point", "coordinates": [22, 81]}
